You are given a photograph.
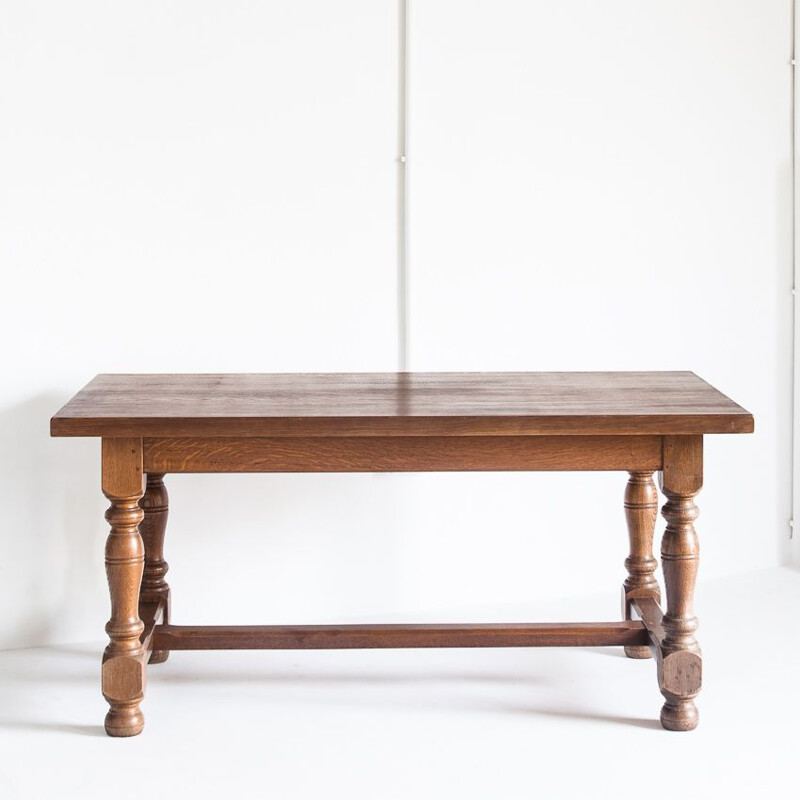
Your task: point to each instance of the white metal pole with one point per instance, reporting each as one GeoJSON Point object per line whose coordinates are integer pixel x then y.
{"type": "Point", "coordinates": [403, 333]}
{"type": "Point", "coordinates": [795, 424]}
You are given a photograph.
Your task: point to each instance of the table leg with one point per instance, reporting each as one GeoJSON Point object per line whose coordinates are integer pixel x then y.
{"type": "Point", "coordinates": [641, 510]}
{"type": "Point", "coordinates": [124, 667]}
{"type": "Point", "coordinates": [155, 588]}
{"type": "Point", "coordinates": [681, 669]}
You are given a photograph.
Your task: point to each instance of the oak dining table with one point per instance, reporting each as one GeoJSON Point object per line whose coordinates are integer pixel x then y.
{"type": "Point", "coordinates": [639, 423]}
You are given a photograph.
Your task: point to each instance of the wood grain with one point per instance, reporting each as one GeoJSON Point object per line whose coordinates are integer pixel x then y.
{"type": "Point", "coordinates": [400, 404]}
{"type": "Point", "coordinates": [403, 454]}
{"type": "Point", "coordinates": [155, 589]}
{"type": "Point", "coordinates": [637, 421]}
{"type": "Point", "coordinates": [151, 613]}
{"type": "Point", "coordinates": [123, 669]}
{"type": "Point", "coordinates": [306, 637]}
{"type": "Point", "coordinates": [122, 472]}
{"type": "Point", "coordinates": [680, 672]}
{"type": "Point", "coordinates": [681, 480]}
{"type": "Point", "coordinates": [641, 510]}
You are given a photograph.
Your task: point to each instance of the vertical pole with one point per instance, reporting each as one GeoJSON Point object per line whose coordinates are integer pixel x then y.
{"type": "Point", "coordinates": [402, 191]}
{"type": "Point", "coordinates": [795, 468]}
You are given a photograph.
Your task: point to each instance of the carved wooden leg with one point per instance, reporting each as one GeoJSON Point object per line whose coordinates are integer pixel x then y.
{"type": "Point", "coordinates": [641, 510]}
{"type": "Point", "coordinates": [680, 675]}
{"type": "Point", "coordinates": [155, 588]}
{"type": "Point", "coordinates": [124, 658]}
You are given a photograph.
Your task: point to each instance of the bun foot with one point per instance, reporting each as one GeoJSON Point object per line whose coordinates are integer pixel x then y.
{"type": "Point", "coordinates": [124, 721]}
{"type": "Point", "coordinates": [681, 716]}
{"type": "Point", "coordinates": [638, 651]}
{"type": "Point", "coordinates": [158, 656]}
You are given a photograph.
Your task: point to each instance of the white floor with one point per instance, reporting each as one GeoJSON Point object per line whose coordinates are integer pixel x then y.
{"type": "Point", "coordinates": [424, 724]}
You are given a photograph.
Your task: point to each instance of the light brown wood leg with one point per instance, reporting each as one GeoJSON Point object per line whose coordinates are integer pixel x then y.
{"type": "Point", "coordinates": [124, 668]}
{"type": "Point", "coordinates": [155, 588]}
{"type": "Point", "coordinates": [680, 675]}
{"type": "Point", "coordinates": [641, 510]}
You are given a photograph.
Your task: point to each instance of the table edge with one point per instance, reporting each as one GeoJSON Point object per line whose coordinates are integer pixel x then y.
{"type": "Point", "coordinates": [564, 425]}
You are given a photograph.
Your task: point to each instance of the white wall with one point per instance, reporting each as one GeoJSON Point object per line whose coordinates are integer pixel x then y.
{"type": "Point", "coordinates": [208, 186]}
{"type": "Point", "coordinates": [607, 186]}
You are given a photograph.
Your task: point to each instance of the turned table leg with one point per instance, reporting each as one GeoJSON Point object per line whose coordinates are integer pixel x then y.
{"type": "Point", "coordinates": [680, 674]}
{"type": "Point", "coordinates": [641, 510]}
{"type": "Point", "coordinates": [155, 588]}
{"type": "Point", "coordinates": [124, 658]}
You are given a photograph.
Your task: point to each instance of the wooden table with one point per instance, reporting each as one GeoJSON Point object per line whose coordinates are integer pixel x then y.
{"type": "Point", "coordinates": [639, 422]}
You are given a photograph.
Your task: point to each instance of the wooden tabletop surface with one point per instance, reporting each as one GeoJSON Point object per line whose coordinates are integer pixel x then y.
{"type": "Point", "coordinates": [397, 404]}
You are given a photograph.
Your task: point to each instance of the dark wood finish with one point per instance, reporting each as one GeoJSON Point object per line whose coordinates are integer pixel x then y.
{"type": "Point", "coordinates": [400, 404]}
{"type": "Point", "coordinates": [638, 422]}
{"type": "Point", "coordinates": [679, 671]}
{"type": "Point", "coordinates": [641, 510]}
{"type": "Point", "coordinates": [151, 614]}
{"type": "Point", "coordinates": [648, 609]}
{"type": "Point", "coordinates": [403, 454]}
{"type": "Point", "coordinates": [681, 480]}
{"type": "Point", "coordinates": [335, 637]}
{"type": "Point", "coordinates": [124, 657]}
{"type": "Point", "coordinates": [155, 589]}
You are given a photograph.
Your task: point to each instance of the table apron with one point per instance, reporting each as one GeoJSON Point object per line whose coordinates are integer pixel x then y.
{"type": "Point", "coordinates": [402, 454]}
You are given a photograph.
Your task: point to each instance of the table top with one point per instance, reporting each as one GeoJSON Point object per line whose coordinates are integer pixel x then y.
{"type": "Point", "coordinates": [400, 404]}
